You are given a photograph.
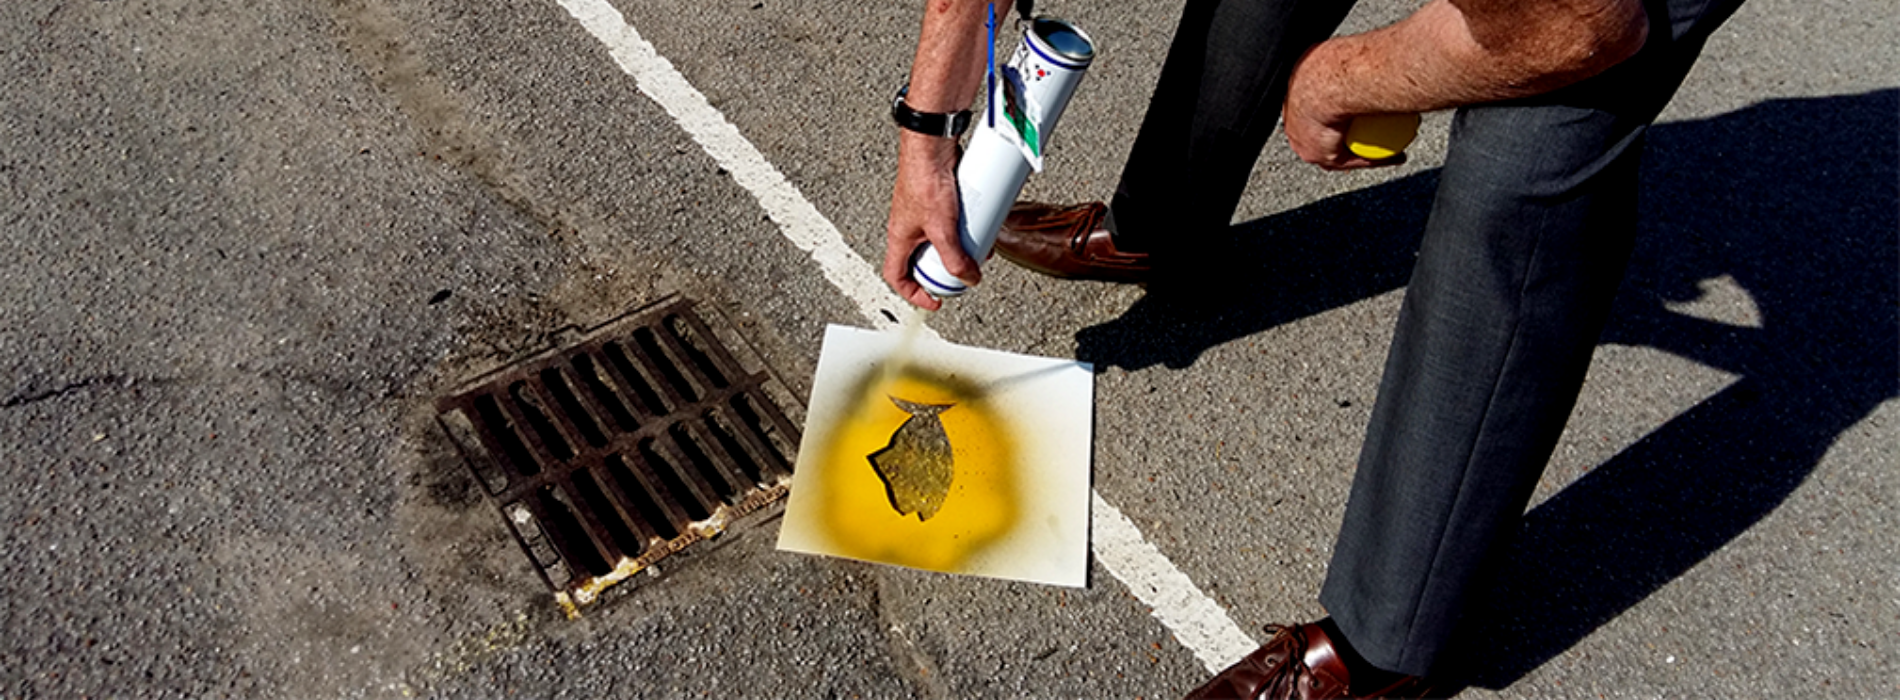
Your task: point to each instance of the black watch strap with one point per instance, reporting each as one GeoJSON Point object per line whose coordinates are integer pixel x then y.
{"type": "Point", "coordinates": [948, 126]}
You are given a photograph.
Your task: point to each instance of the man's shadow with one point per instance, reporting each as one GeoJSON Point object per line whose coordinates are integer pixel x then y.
{"type": "Point", "coordinates": [1794, 200]}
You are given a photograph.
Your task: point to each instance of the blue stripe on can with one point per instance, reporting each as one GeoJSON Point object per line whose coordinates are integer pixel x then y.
{"type": "Point", "coordinates": [957, 288]}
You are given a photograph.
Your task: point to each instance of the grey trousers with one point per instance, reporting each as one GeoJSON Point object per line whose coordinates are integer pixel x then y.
{"type": "Point", "coordinates": [1529, 234]}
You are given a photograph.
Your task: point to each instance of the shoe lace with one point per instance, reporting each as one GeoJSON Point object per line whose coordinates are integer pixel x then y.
{"type": "Point", "coordinates": [1285, 683]}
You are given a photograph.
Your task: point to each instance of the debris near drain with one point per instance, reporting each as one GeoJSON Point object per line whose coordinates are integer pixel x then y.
{"type": "Point", "coordinates": [643, 437]}
{"type": "Point", "coordinates": [571, 600]}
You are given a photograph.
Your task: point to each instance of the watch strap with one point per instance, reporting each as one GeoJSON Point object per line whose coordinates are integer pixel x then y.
{"type": "Point", "coordinates": [947, 125]}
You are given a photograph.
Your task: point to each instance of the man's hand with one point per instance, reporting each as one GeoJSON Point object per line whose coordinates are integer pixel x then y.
{"type": "Point", "coordinates": [1451, 53]}
{"type": "Point", "coordinates": [924, 208]}
{"type": "Point", "coordinates": [944, 77]}
{"type": "Point", "coordinates": [1316, 119]}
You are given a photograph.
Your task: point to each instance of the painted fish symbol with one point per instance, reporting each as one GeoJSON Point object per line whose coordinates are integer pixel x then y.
{"type": "Point", "coordinates": [917, 465]}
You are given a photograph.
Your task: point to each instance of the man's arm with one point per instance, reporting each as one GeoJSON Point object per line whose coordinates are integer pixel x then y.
{"type": "Point", "coordinates": [945, 76]}
{"type": "Point", "coordinates": [1452, 53]}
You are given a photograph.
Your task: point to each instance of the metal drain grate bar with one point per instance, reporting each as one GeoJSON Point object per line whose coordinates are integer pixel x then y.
{"type": "Point", "coordinates": [645, 436]}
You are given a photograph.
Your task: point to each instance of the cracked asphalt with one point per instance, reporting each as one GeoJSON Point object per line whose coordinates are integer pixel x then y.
{"type": "Point", "coordinates": [244, 245]}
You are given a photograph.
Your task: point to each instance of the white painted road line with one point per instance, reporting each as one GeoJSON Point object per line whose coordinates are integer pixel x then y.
{"type": "Point", "coordinates": [1200, 624]}
{"type": "Point", "coordinates": [797, 219]}
{"type": "Point", "coordinates": [1196, 620]}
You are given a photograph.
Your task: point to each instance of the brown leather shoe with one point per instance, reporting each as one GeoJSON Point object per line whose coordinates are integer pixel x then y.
{"type": "Point", "coordinates": [1068, 242]}
{"type": "Point", "coordinates": [1298, 662]}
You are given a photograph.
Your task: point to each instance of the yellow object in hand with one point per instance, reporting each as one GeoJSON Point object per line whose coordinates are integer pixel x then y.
{"type": "Point", "coordinates": [1381, 136]}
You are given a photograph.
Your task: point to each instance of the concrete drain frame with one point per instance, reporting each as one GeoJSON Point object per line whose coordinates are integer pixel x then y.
{"type": "Point", "coordinates": [607, 454]}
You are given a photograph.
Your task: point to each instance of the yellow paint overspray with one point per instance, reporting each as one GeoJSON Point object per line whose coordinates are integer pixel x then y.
{"type": "Point", "coordinates": [984, 499]}
{"type": "Point", "coordinates": [899, 359]}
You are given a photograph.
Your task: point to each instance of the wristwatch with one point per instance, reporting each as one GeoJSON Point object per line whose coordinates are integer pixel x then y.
{"type": "Point", "coordinates": [949, 125]}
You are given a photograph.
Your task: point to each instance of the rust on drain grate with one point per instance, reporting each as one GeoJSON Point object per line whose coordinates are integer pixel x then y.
{"type": "Point", "coordinates": [645, 436]}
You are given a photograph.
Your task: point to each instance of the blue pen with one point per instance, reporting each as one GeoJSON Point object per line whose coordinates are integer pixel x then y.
{"type": "Point", "coordinates": [989, 104]}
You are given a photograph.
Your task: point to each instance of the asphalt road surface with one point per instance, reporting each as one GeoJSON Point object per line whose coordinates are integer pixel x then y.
{"type": "Point", "coordinates": [244, 246]}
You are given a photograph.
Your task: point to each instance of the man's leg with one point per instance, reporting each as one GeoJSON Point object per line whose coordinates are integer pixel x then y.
{"type": "Point", "coordinates": [1528, 238]}
{"type": "Point", "coordinates": [1214, 106]}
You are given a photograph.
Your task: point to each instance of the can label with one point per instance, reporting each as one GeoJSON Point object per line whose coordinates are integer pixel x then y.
{"type": "Point", "coordinates": [1023, 116]}
{"type": "Point", "coordinates": [1035, 70]}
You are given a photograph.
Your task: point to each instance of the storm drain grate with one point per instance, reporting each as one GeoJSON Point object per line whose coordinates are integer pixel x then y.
{"type": "Point", "coordinates": [645, 436]}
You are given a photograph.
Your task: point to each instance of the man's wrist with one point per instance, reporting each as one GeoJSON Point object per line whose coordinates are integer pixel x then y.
{"type": "Point", "coordinates": [1327, 85]}
{"type": "Point", "coordinates": [934, 152]}
{"type": "Point", "coordinates": [946, 125]}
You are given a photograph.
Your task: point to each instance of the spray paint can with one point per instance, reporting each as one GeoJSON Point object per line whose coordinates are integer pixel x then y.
{"type": "Point", "coordinates": [1029, 96]}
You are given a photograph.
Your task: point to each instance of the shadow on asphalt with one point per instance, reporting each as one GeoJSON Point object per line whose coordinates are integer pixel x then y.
{"type": "Point", "coordinates": [1795, 200]}
{"type": "Point", "coordinates": [1268, 272]}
